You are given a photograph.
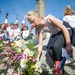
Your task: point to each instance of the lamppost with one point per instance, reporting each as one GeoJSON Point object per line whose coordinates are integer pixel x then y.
{"type": "Point", "coordinates": [40, 7]}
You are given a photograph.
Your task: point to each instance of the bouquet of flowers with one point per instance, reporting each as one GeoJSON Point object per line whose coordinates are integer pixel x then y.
{"type": "Point", "coordinates": [20, 59]}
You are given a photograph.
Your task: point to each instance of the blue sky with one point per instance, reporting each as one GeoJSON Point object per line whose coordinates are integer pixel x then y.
{"type": "Point", "coordinates": [54, 7]}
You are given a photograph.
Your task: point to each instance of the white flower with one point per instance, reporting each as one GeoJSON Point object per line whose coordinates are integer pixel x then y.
{"type": "Point", "coordinates": [4, 41]}
{"type": "Point", "coordinates": [27, 52]}
{"type": "Point", "coordinates": [40, 70]}
{"type": "Point", "coordinates": [10, 71]}
{"type": "Point", "coordinates": [19, 50]}
{"type": "Point", "coordinates": [2, 74]}
{"type": "Point", "coordinates": [38, 67]}
{"type": "Point", "coordinates": [18, 43]}
{"type": "Point", "coordinates": [19, 70]}
{"type": "Point", "coordinates": [0, 44]}
{"type": "Point", "coordinates": [23, 63]}
{"type": "Point", "coordinates": [38, 64]}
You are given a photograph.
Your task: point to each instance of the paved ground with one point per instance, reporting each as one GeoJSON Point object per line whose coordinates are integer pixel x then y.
{"type": "Point", "coordinates": [45, 58]}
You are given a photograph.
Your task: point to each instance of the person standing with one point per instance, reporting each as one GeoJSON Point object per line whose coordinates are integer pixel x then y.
{"type": "Point", "coordinates": [10, 31]}
{"type": "Point", "coordinates": [69, 22]}
{"type": "Point", "coordinates": [25, 33]}
{"type": "Point", "coordinates": [16, 32]}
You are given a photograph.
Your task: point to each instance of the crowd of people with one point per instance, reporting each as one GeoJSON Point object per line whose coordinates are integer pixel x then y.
{"type": "Point", "coordinates": [60, 41]}
{"type": "Point", "coordinates": [13, 32]}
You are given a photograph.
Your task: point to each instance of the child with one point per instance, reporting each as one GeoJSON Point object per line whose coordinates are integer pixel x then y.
{"type": "Point", "coordinates": [2, 34]}
{"type": "Point", "coordinates": [26, 33]}
{"type": "Point", "coordinates": [69, 16]}
{"type": "Point", "coordinates": [69, 22]}
{"type": "Point", "coordinates": [52, 25]}
{"type": "Point", "coordinates": [10, 30]}
{"type": "Point", "coordinates": [16, 32]}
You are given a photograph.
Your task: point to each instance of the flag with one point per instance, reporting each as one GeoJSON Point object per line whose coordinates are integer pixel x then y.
{"type": "Point", "coordinates": [16, 22]}
{"type": "Point", "coordinates": [6, 22]}
{"type": "Point", "coordinates": [23, 23]}
{"type": "Point", "coordinates": [7, 15]}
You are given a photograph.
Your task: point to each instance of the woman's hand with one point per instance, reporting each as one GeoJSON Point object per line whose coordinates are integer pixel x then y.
{"type": "Point", "coordinates": [69, 48]}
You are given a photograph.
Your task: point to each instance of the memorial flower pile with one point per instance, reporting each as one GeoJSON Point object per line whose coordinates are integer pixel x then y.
{"type": "Point", "coordinates": [20, 59]}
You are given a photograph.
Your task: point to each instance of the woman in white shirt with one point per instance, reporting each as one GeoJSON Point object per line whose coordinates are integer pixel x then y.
{"type": "Point", "coordinates": [69, 22]}
{"type": "Point", "coordinates": [69, 16]}
{"type": "Point", "coordinates": [16, 32]}
{"type": "Point", "coordinates": [25, 33]}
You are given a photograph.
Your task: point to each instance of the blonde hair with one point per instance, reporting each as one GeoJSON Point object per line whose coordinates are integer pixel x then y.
{"type": "Point", "coordinates": [34, 13]}
{"type": "Point", "coordinates": [68, 11]}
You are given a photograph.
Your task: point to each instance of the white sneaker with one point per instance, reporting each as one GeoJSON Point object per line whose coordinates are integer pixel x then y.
{"type": "Point", "coordinates": [69, 61]}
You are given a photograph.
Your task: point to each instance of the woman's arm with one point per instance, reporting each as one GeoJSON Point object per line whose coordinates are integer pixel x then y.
{"type": "Point", "coordinates": [40, 45]}
{"type": "Point", "coordinates": [65, 32]}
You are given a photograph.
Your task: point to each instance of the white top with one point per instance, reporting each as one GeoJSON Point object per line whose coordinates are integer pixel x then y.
{"type": "Point", "coordinates": [1, 35]}
{"type": "Point", "coordinates": [70, 20]}
{"type": "Point", "coordinates": [10, 31]}
{"type": "Point", "coordinates": [25, 34]}
{"type": "Point", "coordinates": [50, 27]}
{"type": "Point", "coordinates": [16, 32]}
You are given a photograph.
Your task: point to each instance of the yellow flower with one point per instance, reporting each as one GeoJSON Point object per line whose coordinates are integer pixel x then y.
{"type": "Point", "coordinates": [40, 70]}
{"type": "Point", "coordinates": [33, 66]}
{"type": "Point", "coordinates": [30, 58]}
{"type": "Point", "coordinates": [31, 53]}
